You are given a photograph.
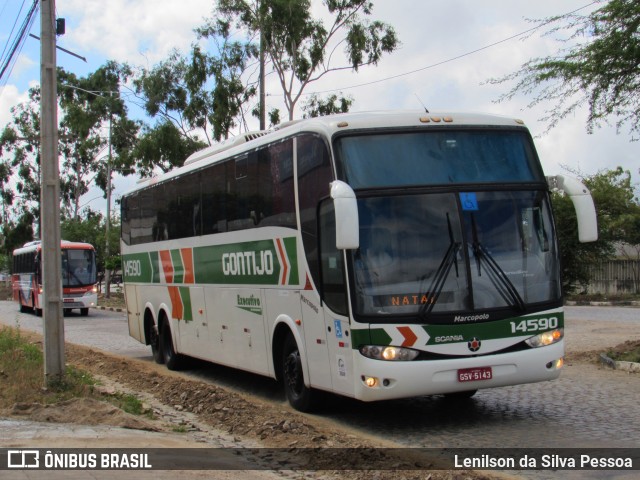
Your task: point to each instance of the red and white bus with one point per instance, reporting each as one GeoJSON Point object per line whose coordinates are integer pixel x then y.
{"type": "Point", "coordinates": [79, 277]}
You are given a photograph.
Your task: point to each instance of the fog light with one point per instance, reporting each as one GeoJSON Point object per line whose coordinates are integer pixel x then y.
{"type": "Point", "coordinates": [371, 382]}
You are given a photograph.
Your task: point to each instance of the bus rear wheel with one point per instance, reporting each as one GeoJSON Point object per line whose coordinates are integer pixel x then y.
{"type": "Point", "coordinates": [172, 359]}
{"type": "Point", "coordinates": [156, 348]}
{"type": "Point", "coordinates": [298, 394]}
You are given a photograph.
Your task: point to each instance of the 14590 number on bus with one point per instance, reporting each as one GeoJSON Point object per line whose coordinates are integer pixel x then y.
{"type": "Point", "coordinates": [132, 268]}
{"type": "Point", "coordinates": [534, 325]}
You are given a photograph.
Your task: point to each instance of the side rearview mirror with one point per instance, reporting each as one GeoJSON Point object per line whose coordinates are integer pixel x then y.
{"type": "Point", "coordinates": [346, 209]}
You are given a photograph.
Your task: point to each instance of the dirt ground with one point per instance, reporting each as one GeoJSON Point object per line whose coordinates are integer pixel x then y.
{"type": "Point", "coordinates": [190, 408]}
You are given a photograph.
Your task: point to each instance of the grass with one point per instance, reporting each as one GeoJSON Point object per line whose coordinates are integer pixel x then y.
{"type": "Point", "coordinates": [630, 355]}
{"type": "Point", "coordinates": [22, 377]}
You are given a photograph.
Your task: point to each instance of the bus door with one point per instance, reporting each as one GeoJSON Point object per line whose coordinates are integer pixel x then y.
{"type": "Point", "coordinates": [315, 338]}
{"type": "Point", "coordinates": [335, 304]}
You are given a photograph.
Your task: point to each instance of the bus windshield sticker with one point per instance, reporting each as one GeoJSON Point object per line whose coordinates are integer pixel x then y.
{"type": "Point", "coordinates": [469, 201]}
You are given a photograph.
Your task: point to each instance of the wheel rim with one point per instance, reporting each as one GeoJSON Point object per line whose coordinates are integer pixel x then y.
{"type": "Point", "coordinates": [293, 373]}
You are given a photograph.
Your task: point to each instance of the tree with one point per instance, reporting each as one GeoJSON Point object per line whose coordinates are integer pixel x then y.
{"type": "Point", "coordinates": [618, 213]}
{"type": "Point", "coordinates": [317, 107]}
{"type": "Point", "coordinates": [301, 48]}
{"type": "Point", "coordinates": [20, 161]}
{"type": "Point", "coordinates": [86, 108]}
{"type": "Point", "coordinates": [601, 71]}
{"type": "Point", "coordinates": [89, 105]}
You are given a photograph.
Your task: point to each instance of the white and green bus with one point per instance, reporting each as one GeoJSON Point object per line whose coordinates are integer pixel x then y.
{"type": "Point", "coordinates": [372, 255]}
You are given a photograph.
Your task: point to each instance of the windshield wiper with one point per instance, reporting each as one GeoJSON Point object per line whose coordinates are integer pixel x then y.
{"type": "Point", "coordinates": [450, 258]}
{"type": "Point", "coordinates": [498, 277]}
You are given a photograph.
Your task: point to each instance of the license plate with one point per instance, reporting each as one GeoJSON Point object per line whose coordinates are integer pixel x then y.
{"type": "Point", "coordinates": [68, 300]}
{"type": "Point", "coordinates": [475, 374]}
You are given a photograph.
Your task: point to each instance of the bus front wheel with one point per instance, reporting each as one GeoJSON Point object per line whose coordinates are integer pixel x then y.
{"type": "Point", "coordinates": [299, 395]}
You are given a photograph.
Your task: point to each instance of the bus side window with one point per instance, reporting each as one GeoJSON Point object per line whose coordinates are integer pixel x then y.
{"type": "Point", "coordinates": [314, 177]}
{"type": "Point", "coordinates": [334, 290]}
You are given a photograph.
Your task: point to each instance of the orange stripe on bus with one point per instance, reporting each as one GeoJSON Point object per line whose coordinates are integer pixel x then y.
{"type": "Point", "coordinates": [187, 261]}
{"type": "Point", "coordinates": [176, 303]}
{"type": "Point", "coordinates": [167, 265]}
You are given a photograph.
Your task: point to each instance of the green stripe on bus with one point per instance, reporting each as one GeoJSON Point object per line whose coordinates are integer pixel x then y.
{"type": "Point", "coordinates": [178, 268]}
{"type": "Point", "coordinates": [154, 260]}
{"type": "Point", "coordinates": [185, 295]}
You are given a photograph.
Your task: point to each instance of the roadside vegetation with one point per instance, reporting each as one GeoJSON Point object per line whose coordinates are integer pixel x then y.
{"type": "Point", "coordinates": [22, 377]}
{"type": "Point", "coordinates": [627, 352]}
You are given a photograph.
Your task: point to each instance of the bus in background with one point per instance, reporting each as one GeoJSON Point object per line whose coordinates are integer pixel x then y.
{"type": "Point", "coordinates": [79, 277]}
{"type": "Point", "coordinates": [372, 255]}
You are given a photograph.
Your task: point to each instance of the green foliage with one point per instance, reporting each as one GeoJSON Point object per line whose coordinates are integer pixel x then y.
{"type": "Point", "coordinates": [190, 94]}
{"type": "Point", "coordinates": [600, 71]}
{"type": "Point", "coordinates": [618, 213]}
{"type": "Point", "coordinates": [317, 107]}
{"type": "Point", "coordinates": [17, 232]}
{"type": "Point", "coordinates": [301, 47]}
{"type": "Point", "coordinates": [164, 147]}
{"type": "Point", "coordinates": [87, 105]}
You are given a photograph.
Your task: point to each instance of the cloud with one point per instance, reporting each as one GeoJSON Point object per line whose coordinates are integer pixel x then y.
{"type": "Point", "coordinates": [10, 96]}
{"type": "Point", "coordinates": [135, 31]}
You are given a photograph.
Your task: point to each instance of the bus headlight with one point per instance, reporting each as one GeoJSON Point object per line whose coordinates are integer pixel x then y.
{"type": "Point", "coordinates": [392, 354]}
{"type": "Point", "coordinates": [546, 338]}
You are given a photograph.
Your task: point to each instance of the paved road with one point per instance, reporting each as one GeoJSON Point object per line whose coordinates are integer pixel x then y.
{"type": "Point", "coordinates": [588, 406]}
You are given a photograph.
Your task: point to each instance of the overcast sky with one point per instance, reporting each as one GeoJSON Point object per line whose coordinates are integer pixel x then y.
{"type": "Point", "coordinates": [143, 32]}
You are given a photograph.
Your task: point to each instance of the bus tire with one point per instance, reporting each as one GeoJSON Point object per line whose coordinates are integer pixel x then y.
{"type": "Point", "coordinates": [298, 394]}
{"type": "Point", "coordinates": [156, 348]}
{"type": "Point", "coordinates": [172, 359]}
{"type": "Point", "coordinates": [84, 312]}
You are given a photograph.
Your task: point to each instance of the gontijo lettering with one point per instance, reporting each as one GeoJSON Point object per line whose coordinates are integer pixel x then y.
{"type": "Point", "coordinates": [248, 263]}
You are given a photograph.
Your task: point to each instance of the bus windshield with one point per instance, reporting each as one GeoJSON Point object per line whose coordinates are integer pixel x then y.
{"type": "Point", "coordinates": [444, 253]}
{"type": "Point", "coordinates": [437, 157]}
{"type": "Point", "coordinates": [429, 254]}
{"type": "Point", "coordinates": [78, 267]}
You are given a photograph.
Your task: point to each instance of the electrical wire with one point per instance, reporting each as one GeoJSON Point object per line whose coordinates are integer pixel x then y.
{"type": "Point", "coordinates": [437, 64]}
{"type": "Point", "coordinates": [18, 43]}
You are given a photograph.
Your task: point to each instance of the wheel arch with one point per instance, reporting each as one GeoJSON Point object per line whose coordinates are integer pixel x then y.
{"type": "Point", "coordinates": [286, 326]}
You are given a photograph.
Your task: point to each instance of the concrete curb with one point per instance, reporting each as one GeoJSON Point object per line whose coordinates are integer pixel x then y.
{"type": "Point", "coordinates": [111, 309]}
{"type": "Point", "coordinates": [619, 365]}
{"type": "Point", "coordinates": [623, 303]}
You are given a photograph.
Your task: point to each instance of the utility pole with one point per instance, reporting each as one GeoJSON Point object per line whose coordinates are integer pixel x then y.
{"type": "Point", "coordinates": [263, 96]}
{"type": "Point", "coordinates": [53, 321]}
{"type": "Point", "coordinates": [107, 271]}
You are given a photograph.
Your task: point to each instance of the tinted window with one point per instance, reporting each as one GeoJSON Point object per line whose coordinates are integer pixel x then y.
{"type": "Point", "coordinates": [437, 157]}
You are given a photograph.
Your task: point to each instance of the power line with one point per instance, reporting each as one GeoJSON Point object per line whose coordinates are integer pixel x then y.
{"type": "Point", "coordinates": [24, 29]}
{"type": "Point", "coordinates": [437, 64]}
{"type": "Point", "coordinates": [15, 22]}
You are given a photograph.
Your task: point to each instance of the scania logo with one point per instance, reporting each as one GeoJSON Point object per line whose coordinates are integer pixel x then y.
{"type": "Point", "coordinates": [474, 344]}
